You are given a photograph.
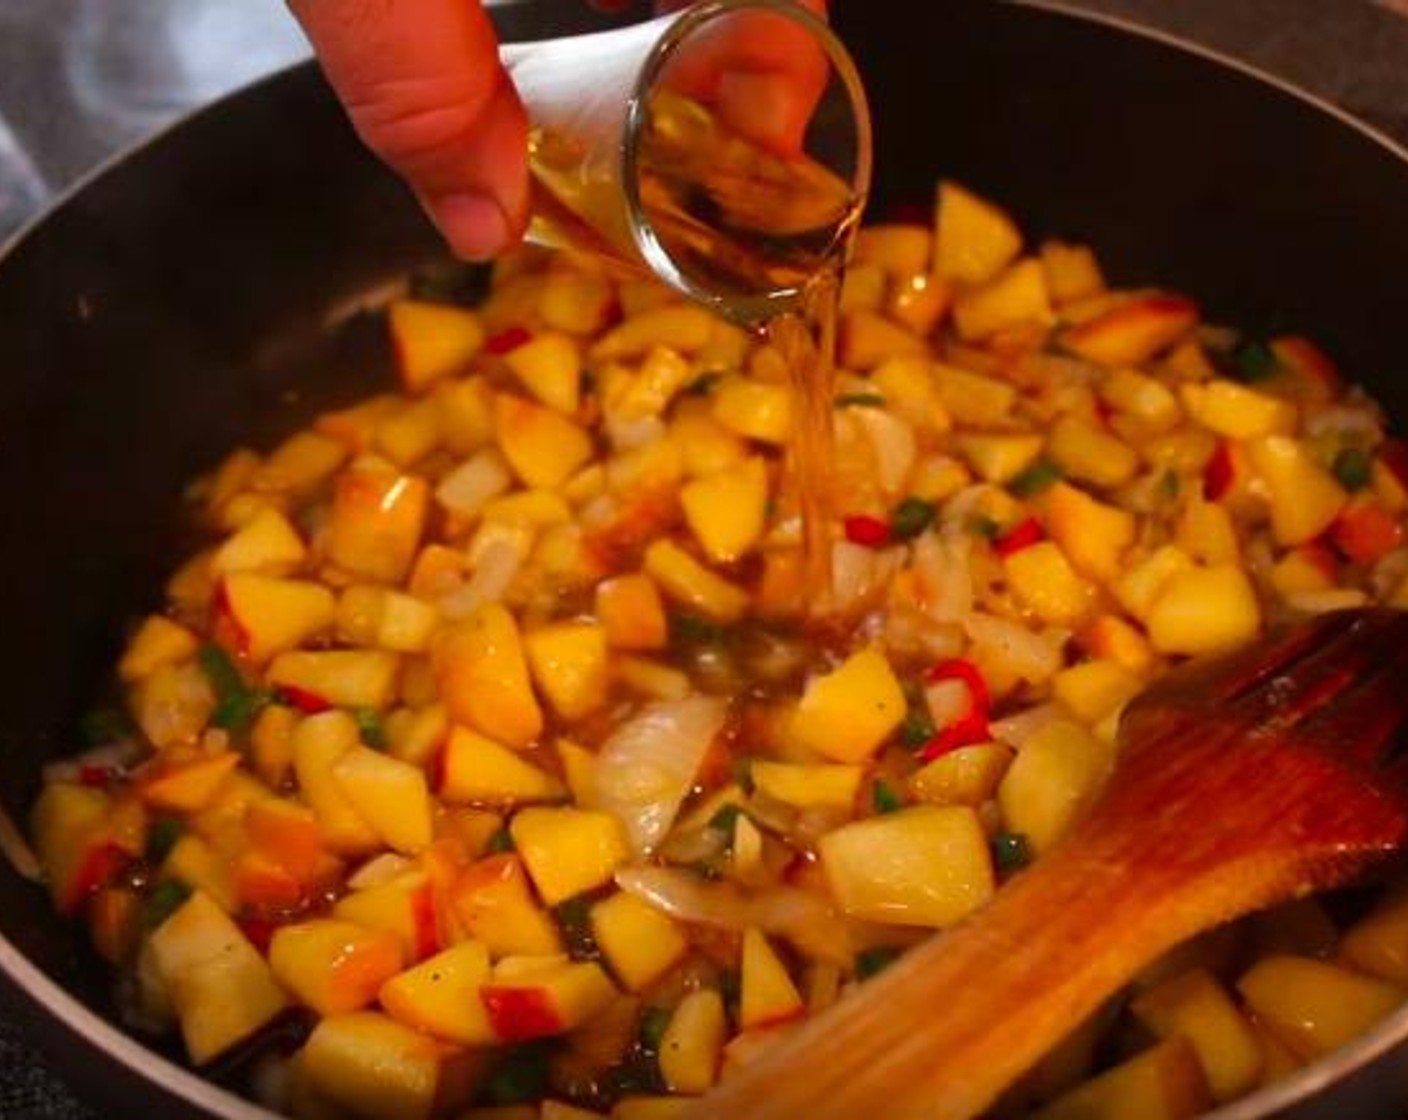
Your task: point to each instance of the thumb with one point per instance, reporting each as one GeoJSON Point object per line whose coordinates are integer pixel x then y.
{"type": "Point", "coordinates": [423, 86]}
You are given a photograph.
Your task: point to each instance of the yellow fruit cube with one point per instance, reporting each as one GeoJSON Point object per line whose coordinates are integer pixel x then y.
{"type": "Point", "coordinates": [767, 993]}
{"type": "Point", "coordinates": [577, 302]}
{"type": "Point", "coordinates": [535, 997]}
{"type": "Point", "coordinates": [848, 713]}
{"type": "Point", "coordinates": [390, 795]}
{"type": "Point", "coordinates": [1207, 532]}
{"type": "Point", "coordinates": [647, 392]}
{"type": "Point", "coordinates": [1094, 689]}
{"type": "Point", "coordinates": [533, 509]}
{"type": "Point", "coordinates": [898, 249]}
{"type": "Point", "coordinates": [404, 906]}
{"type": "Point", "coordinates": [187, 787]}
{"type": "Point", "coordinates": [1045, 583]}
{"type": "Point", "coordinates": [568, 851]}
{"type": "Point", "coordinates": [683, 327]}
{"type": "Point", "coordinates": [375, 1068]}
{"type": "Point", "coordinates": [432, 340]}
{"type": "Point", "coordinates": [494, 903]}
{"type": "Point", "coordinates": [476, 770]}
{"type": "Point", "coordinates": [542, 446]}
{"type": "Point", "coordinates": [999, 458]}
{"type": "Point", "coordinates": [1142, 584]}
{"type": "Point", "coordinates": [973, 239]}
{"type": "Point", "coordinates": [972, 398]}
{"type": "Point", "coordinates": [629, 608]}
{"type": "Point", "coordinates": [1086, 453]}
{"type": "Point", "coordinates": [440, 996]}
{"type": "Point", "coordinates": [705, 445]}
{"type": "Point", "coordinates": [909, 388]}
{"type": "Point", "coordinates": [343, 678]}
{"type": "Point", "coordinates": [727, 511]}
{"type": "Point", "coordinates": [1014, 298]}
{"type": "Point", "coordinates": [378, 515]}
{"type": "Point", "coordinates": [754, 409]}
{"type": "Point", "coordinates": [863, 287]}
{"type": "Point", "coordinates": [1056, 775]}
{"type": "Point", "coordinates": [550, 367]}
{"type": "Point", "coordinates": [1378, 943]}
{"type": "Point", "coordinates": [693, 1043]}
{"type": "Point", "coordinates": [1131, 330]}
{"type": "Point", "coordinates": [1143, 397]}
{"type": "Point", "coordinates": [923, 866]}
{"type": "Point", "coordinates": [220, 986]}
{"type": "Point", "coordinates": [1236, 411]}
{"type": "Point", "coordinates": [1305, 499]}
{"type": "Point", "coordinates": [1093, 535]}
{"type": "Point", "coordinates": [482, 672]}
{"type": "Point", "coordinates": [1072, 272]}
{"type": "Point", "coordinates": [869, 339]}
{"type": "Point", "coordinates": [687, 581]}
{"type": "Point", "coordinates": [569, 664]}
{"type": "Point", "coordinates": [334, 966]}
{"type": "Point", "coordinates": [639, 942]}
{"type": "Point", "coordinates": [317, 743]}
{"type": "Point", "coordinates": [1111, 637]}
{"type": "Point", "coordinates": [410, 433]}
{"type": "Point", "coordinates": [966, 776]}
{"type": "Point", "coordinates": [266, 543]}
{"type": "Point", "coordinates": [806, 785]}
{"type": "Point", "coordinates": [1204, 610]}
{"type": "Point", "coordinates": [1314, 1007]}
{"type": "Point", "coordinates": [157, 642]}
{"type": "Point", "coordinates": [271, 615]}
{"type": "Point", "coordinates": [1164, 1083]}
{"type": "Point", "coordinates": [1194, 1006]}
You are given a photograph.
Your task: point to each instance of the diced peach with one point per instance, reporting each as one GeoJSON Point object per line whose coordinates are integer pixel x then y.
{"type": "Point", "coordinates": [300, 464]}
{"type": "Point", "coordinates": [477, 770]}
{"type": "Point", "coordinates": [1090, 454]}
{"type": "Point", "coordinates": [1206, 531]}
{"type": "Point", "coordinates": [897, 248]}
{"type": "Point", "coordinates": [194, 862]}
{"type": "Point", "coordinates": [482, 672]}
{"type": "Point", "coordinates": [378, 515]}
{"type": "Point", "coordinates": [493, 901]}
{"type": "Point", "coordinates": [1045, 583]}
{"type": "Point", "coordinates": [187, 787]}
{"type": "Point", "coordinates": [542, 446]}
{"type": "Point", "coordinates": [1145, 398]}
{"type": "Point", "coordinates": [687, 581]}
{"type": "Point", "coordinates": [354, 428]}
{"type": "Point", "coordinates": [267, 543]}
{"type": "Point", "coordinates": [440, 996]}
{"type": "Point", "coordinates": [999, 458]}
{"type": "Point", "coordinates": [410, 433]}
{"type": "Point", "coordinates": [1377, 944]}
{"type": "Point", "coordinates": [973, 239]}
{"type": "Point", "coordinates": [922, 866]}
{"type": "Point", "coordinates": [1304, 498]}
{"type": "Point", "coordinates": [639, 942]}
{"type": "Point", "coordinates": [683, 327]}
{"type": "Point", "coordinates": [693, 1042]}
{"type": "Point", "coordinates": [1312, 1006]}
{"type": "Point", "coordinates": [403, 906]}
{"type": "Point", "coordinates": [288, 832]}
{"type": "Point", "coordinates": [631, 611]}
{"type": "Point", "coordinates": [1093, 535]}
{"type": "Point", "coordinates": [1091, 690]}
{"type": "Point", "coordinates": [848, 713]}
{"type": "Point", "coordinates": [222, 990]}
{"type": "Point", "coordinates": [577, 302]}
{"type": "Point", "coordinates": [727, 511]}
{"type": "Point", "coordinates": [1055, 776]}
{"type": "Point", "coordinates": [966, 776]}
{"type": "Point", "coordinates": [1194, 1006]}
{"type": "Point", "coordinates": [1132, 332]}
{"type": "Point", "coordinates": [1145, 580]}
{"type": "Point", "coordinates": [768, 995]}
{"type": "Point", "coordinates": [550, 366]}
{"type": "Point", "coordinates": [432, 340]}
{"type": "Point", "coordinates": [158, 641]}
{"type": "Point", "coordinates": [318, 742]}
{"type": "Point", "coordinates": [1236, 411]}
{"type": "Point", "coordinates": [1012, 299]}
{"type": "Point", "coordinates": [1163, 1083]}
{"type": "Point", "coordinates": [973, 398]}
{"type": "Point", "coordinates": [1111, 637]}
{"type": "Point", "coordinates": [370, 1066]}
{"type": "Point", "coordinates": [393, 620]}
{"type": "Point", "coordinates": [1316, 377]}
{"type": "Point", "coordinates": [918, 302]}
{"type": "Point", "coordinates": [868, 339]}
{"type": "Point", "coordinates": [1204, 610]}
{"type": "Point", "coordinates": [569, 663]}
{"type": "Point", "coordinates": [390, 795]}
{"type": "Point", "coordinates": [808, 785]}
{"type": "Point", "coordinates": [536, 997]}
{"type": "Point", "coordinates": [333, 966]}
{"type": "Point", "coordinates": [73, 848]}
{"type": "Point", "coordinates": [1072, 272]}
{"type": "Point", "coordinates": [271, 743]}
{"type": "Point", "coordinates": [568, 850]}
{"type": "Point", "coordinates": [348, 678]}
{"type": "Point", "coordinates": [273, 615]}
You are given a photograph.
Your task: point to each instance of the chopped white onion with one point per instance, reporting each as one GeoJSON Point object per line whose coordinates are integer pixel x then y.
{"type": "Point", "coordinates": [475, 482]}
{"type": "Point", "coordinates": [1012, 649]}
{"type": "Point", "coordinates": [943, 565]}
{"type": "Point", "coordinates": [645, 769]}
{"type": "Point", "coordinates": [892, 444]}
{"type": "Point", "coordinates": [490, 582]}
{"type": "Point", "coordinates": [1016, 729]}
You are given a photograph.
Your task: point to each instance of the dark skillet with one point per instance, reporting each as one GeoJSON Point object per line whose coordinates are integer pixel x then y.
{"type": "Point", "coordinates": [203, 292]}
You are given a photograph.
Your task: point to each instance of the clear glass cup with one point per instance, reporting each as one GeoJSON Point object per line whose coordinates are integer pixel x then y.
{"type": "Point", "coordinates": [727, 149]}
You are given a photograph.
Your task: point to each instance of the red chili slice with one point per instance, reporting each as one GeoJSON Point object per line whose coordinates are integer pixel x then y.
{"type": "Point", "coordinates": [97, 777]}
{"type": "Point", "coordinates": [868, 531]}
{"type": "Point", "coordinates": [961, 669]}
{"type": "Point", "coordinates": [1219, 473]}
{"type": "Point", "coordinates": [509, 339]}
{"type": "Point", "coordinates": [972, 728]}
{"type": "Point", "coordinates": [1022, 535]}
{"type": "Point", "coordinates": [310, 703]}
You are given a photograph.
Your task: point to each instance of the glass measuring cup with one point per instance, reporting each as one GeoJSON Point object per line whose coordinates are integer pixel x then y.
{"type": "Point", "coordinates": [727, 149]}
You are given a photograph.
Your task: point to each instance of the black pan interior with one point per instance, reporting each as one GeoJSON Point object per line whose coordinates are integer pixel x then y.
{"type": "Point", "coordinates": [178, 305]}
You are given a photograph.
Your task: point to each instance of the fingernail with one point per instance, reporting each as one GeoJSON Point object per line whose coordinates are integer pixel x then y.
{"type": "Point", "coordinates": [763, 107]}
{"type": "Point", "coordinates": [473, 223]}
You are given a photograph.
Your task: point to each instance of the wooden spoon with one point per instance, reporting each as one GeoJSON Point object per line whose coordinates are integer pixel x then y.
{"type": "Point", "coordinates": [1242, 782]}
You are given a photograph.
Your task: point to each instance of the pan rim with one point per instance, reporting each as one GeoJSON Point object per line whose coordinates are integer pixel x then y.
{"type": "Point", "coordinates": [167, 1075]}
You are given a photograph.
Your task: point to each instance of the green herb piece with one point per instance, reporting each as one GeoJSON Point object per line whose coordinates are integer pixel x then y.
{"type": "Point", "coordinates": [164, 900]}
{"type": "Point", "coordinates": [102, 726]}
{"type": "Point", "coordinates": [236, 704]}
{"type": "Point", "coordinates": [690, 630]}
{"type": "Point", "coordinates": [575, 919]}
{"type": "Point", "coordinates": [918, 727]}
{"type": "Point", "coordinates": [871, 961]}
{"type": "Point", "coordinates": [1169, 485]}
{"type": "Point", "coordinates": [884, 799]}
{"type": "Point", "coordinates": [1036, 478]}
{"type": "Point", "coordinates": [860, 400]}
{"type": "Point", "coordinates": [521, 1076]}
{"type": "Point", "coordinates": [370, 728]}
{"type": "Point", "coordinates": [653, 1023]}
{"type": "Point", "coordinates": [981, 526]}
{"type": "Point", "coordinates": [501, 841]}
{"type": "Point", "coordinates": [162, 837]}
{"type": "Point", "coordinates": [1011, 851]}
{"type": "Point", "coordinates": [724, 820]}
{"type": "Point", "coordinates": [702, 385]}
{"type": "Point", "coordinates": [910, 518]}
{"type": "Point", "coordinates": [1353, 467]}
{"type": "Point", "coordinates": [1256, 362]}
